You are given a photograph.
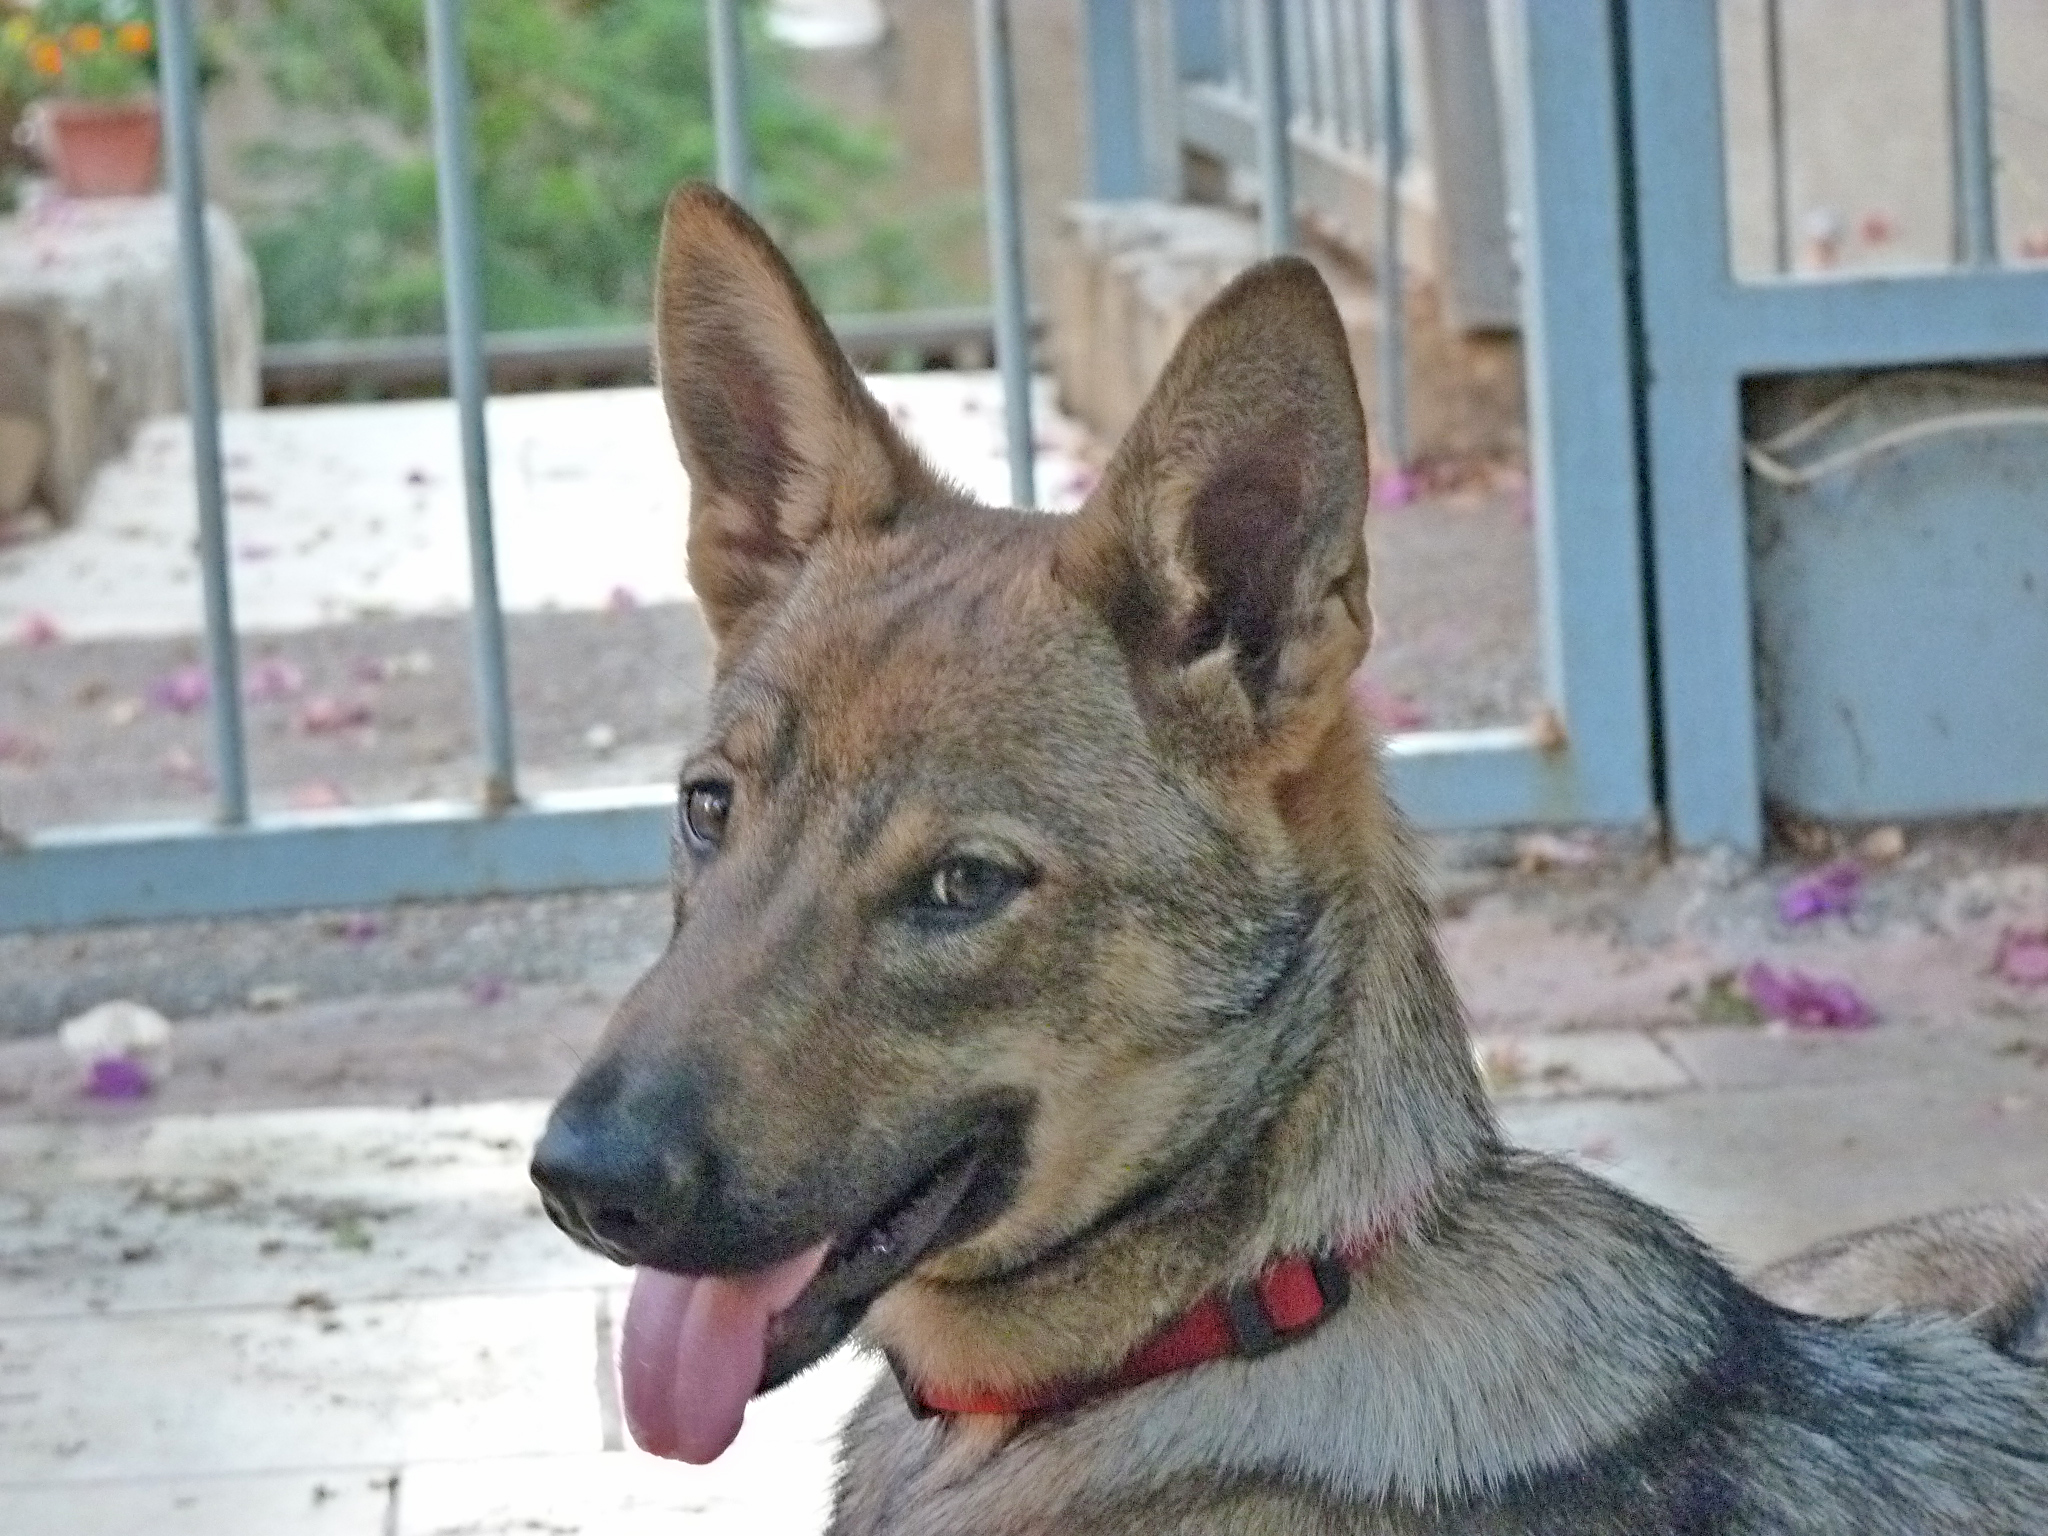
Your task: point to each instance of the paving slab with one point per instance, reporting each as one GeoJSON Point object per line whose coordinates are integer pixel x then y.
{"type": "Point", "coordinates": [1614, 1062]}
{"type": "Point", "coordinates": [777, 1478]}
{"type": "Point", "coordinates": [298, 1503]}
{"type": "Point", "coordinates": [312, 1207]}
{"type": "Point", "coordinates": [354, 1386]}
{"type": "Point", "coordinates": [1997, 1054]}
{"type": "Point", "coordinates": [1763, 1173]}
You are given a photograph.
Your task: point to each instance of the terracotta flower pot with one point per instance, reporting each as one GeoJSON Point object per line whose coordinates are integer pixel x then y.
{"type": "Point", "coordinates": [102, 148]}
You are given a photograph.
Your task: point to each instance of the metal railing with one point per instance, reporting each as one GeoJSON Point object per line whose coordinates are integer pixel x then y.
{"type": "Point", "coordinates": [503, 842]}
{"type": "Point", "coordinates": [1972, 161]}
{"type": "Point", "coordinates": [1314, 102]}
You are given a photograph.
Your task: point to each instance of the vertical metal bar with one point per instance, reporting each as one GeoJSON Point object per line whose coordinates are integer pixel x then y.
{"type": "Point", "coordinates": [729, 101]}
{"type": "Point", "coordinates": [1774, 106]}
{"type": "Point", "coordinates": [179, 70]}
{"type": "Point", "coordinates": [1350, 47]}
{"type": "Point", "coordinates": [1559, 71]}
{"type": "Point", "coordinates": [1158, 97]}
{"type": "Point", "coordinates": [1116, 126]}
{"type": "Point", "coordinates": [1969, 115]}
{"type": "Point", "coordinates": [1393, 339]}
{"type": "Point", "coordinates": [1301, 89]}
{"type": "Point", "coordinates": [462, 277]}
{"type": "Point", "coordinates": [1267, 40]}
{"type": "Point", "coordinates": [1006, 238]}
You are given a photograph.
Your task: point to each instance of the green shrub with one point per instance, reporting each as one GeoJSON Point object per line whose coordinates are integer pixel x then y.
{"type": "Point", "coordinates": [585, 113]}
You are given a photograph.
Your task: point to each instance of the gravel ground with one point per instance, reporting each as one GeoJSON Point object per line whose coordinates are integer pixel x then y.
{"type": "Point", "coordinates": [360, 713]}
{"type": "Point", "coordinates": [380, 710]}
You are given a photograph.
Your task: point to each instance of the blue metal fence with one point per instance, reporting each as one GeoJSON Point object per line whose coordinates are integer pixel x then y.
{"type": "Point", "coordinates": [1585, 759]}
{"type": "Point", "coordinates": [1705, 332]}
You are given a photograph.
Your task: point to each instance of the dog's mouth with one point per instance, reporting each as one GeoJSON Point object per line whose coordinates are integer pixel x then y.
{"type": "Point", "coordinates": [696, 1348]}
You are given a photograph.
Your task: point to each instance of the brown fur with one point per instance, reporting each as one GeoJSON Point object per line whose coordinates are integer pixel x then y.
{"type": "Point", "coordinates": [1214, 1003]}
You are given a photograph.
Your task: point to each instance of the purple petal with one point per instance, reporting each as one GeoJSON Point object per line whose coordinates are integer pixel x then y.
{"type": "Point", "coordinates": [1397, 488]}
{"type": "Point", "coordinates": [2023, 957]}
{"type": "Point", "coordinates": [486, 990]}
{"type": "Point", "coordinates": [1830, 889]}
{"type": "Point", "coordinates": [272, 679]}
{"type": "Point", "coordinates": [181, 690]}
{"type": "Point", "coordinates": [1806, 1002]}
{"type": "Point", "coordinates": [117, 1077]}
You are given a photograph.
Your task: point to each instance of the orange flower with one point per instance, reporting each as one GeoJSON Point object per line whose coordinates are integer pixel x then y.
{"type": "Point", "coordinates": [45, 57]}
{"type": "Point", "coordinates": [134, 37]}
{"type": "Point", "coordinates": [86, 38]}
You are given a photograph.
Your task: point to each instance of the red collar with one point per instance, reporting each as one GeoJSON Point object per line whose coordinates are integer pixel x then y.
{"type": "Point", "coordinates": [1288, 1300]}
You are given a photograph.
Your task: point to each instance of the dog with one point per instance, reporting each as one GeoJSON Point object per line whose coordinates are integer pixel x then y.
{"type": "Point", "coordinates": [1052, 996]}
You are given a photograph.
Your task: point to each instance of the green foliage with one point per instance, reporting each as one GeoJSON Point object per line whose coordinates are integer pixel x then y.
{"type": "Point", "coordinates": [585, 114]}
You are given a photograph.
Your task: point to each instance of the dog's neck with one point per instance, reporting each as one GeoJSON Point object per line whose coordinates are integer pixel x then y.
{"type": "Point", "coordinates": [1375, 1110]}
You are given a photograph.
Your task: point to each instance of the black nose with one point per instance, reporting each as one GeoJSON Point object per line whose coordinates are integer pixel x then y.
{"type": "Point", "coordinates": [610, 1178]}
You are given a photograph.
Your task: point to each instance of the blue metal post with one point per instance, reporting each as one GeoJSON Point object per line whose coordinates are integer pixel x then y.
{"type": "Point", "coordinates": [1393, 338]}
{"type": "Point", "coordinates": [1969, 106]}
{"type": "Point", "coordinates": [1116, 137]}
{"type": "Point", "coordinates": [729, 101]}
{"type": "Point", "coordinates": [1774, 104]}
{"type": "Point", "coordinates": [462, 269]}
{"type": "Point", "coordinates": [1267, 39]}
{"type": "Point", "coordinates": [1006, 239]}
{"type": "Point", "coordinates": [179, 71]}
{"type": "Point", "coordinates": [1559, 85]}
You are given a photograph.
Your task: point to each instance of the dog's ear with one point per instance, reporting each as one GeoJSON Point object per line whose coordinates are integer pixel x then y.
{"type": "Point", "coordinates": [782, 443]}
{"type": "Point", "coordinates": [1225, 545]}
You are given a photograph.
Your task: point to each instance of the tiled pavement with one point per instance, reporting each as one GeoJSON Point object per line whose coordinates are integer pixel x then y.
{"type": "Point", "coordinates": [355, 1322]}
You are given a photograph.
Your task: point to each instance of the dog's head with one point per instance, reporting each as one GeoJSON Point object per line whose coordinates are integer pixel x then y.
{"type": "Point", "coordinates": [1006, 831]}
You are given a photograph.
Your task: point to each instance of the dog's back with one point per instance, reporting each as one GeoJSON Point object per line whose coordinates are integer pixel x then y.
{"type": "Point", "coordinates": [1987, 1265]}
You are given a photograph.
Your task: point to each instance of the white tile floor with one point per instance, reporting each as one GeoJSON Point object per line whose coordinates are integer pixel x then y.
{"type": "Point", "coordinates": [338, 511]}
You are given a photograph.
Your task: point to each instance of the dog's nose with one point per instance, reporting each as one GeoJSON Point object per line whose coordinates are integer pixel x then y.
{"type": "Point", "coordinates": [608, 1180]}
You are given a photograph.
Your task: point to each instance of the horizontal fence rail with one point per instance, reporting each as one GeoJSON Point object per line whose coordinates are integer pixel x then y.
{"type": "Point", "coordinates": [537, 359]}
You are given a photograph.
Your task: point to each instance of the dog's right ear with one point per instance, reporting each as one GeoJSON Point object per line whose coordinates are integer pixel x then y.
{"type": "Point", "coordinates": [782, 443]}
{"type": "Point", "coordinates": [1225, 545]}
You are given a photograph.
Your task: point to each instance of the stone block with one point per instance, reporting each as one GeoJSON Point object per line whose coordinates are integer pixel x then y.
{"type": "Point", "coordinates": [90, 329]}
{"type": "Point", "coordinates": [1129, 276]}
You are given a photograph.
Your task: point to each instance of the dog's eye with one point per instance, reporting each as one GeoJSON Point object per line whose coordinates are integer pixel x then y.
{"type": "Point", "coordinates": [706, 804]}
{"type": "Point", "coordinates": [966, 887]}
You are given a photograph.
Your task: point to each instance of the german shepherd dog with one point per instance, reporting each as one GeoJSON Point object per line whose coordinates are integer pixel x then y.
{"type": "Point", "coordinates": [1052, 995]}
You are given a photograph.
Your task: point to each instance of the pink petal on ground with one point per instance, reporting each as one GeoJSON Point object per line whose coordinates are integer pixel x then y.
{"type": "Point", "coordinates": [325, 715]}
{"type": "Point", "coordinates": [181, 767]}
{"type": "Point", "coordinates": [181, 690]}
{"type": "Point", "coordinates": [1831, 888]}
{"type": "Point", "coordinates": [1396, 488]}
{"type": "Point", "coordinates": [17, 748]}
{"type": "Point", "coordinates": [38, 629]}
{"type": "Point", "coordinates": [486, 990]}
{"type": "Point", "coordinates": [1388, 710]}
{"type": "Point", "coordinates": [360, 927]}
{"type": "Point", "coordinates": [1806, 1002]}
{"type": "Point", "coordinates": [272, 679]}
{"type": "Point", "coordinates": [2023, 956]}
{"type": "Point", "coordinates": [317, 795]}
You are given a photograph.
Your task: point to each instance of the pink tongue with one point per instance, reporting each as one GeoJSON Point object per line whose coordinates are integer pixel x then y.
{"type": "Point", "coordinates": [692, 1351]}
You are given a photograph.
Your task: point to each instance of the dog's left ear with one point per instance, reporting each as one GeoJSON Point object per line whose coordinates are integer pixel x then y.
{"type": "Point", "coordinates": [1225, 545]}
{"type": "Point", "coordinates": [782, 442]}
